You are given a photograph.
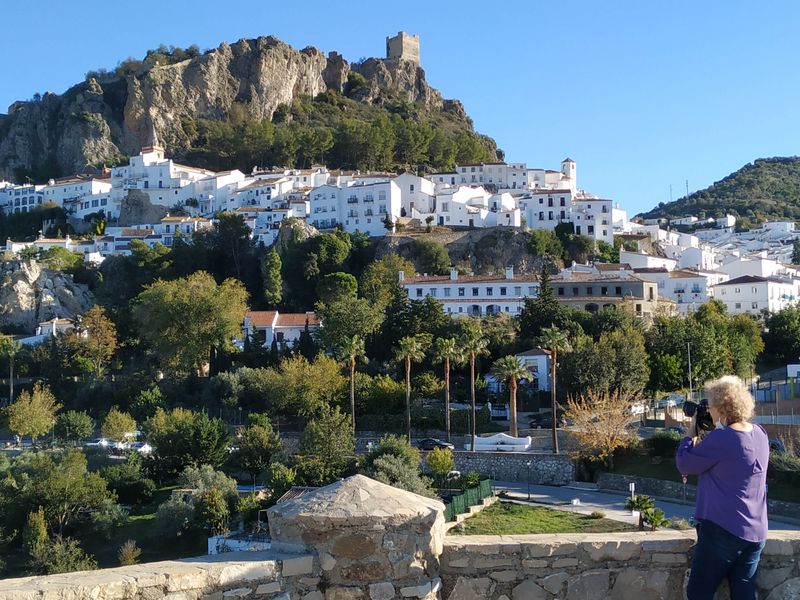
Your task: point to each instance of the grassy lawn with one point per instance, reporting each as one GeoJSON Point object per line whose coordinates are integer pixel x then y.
{"type": "Point", "coordinates": [141, 528]}
{"type": "Point", "coordinates": [504, 518]}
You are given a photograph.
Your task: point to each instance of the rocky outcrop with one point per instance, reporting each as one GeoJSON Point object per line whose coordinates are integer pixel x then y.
{"type": "Point", "coordinates": [102, 119]}
{"type": "Point", "coordinates": [293, 231]}
{"type": "Point", "coordinates": [31, 294]}
{"type": "Point", "coordinates": [136, 208]}
{"type": "Point", "coordinates": [481, 251]}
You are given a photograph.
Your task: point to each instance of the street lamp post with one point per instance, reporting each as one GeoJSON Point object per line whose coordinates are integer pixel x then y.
{"type": "Point", "coordinates": [528, 464]}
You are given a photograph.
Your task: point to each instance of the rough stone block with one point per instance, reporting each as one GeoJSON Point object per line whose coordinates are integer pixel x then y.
{"type": "Point", "coordinates": [565, 562]}
{"type": "Point", "coordinates": [490, 563]}
{"type": "Point", "coordinates": [634, 584]}
{"type": "Point", "coordinates": [777, 548]}
{"type": "Point", "coordinates": [344, 593]}
{"type": "Point", "coordinates": [242, 592]}
{"type": "Point", "coordinates": [669, 559]}
{"type": "Point", "coordinates": [302, 565]}
{"type": "Point", "coordinates": [769, 578]}
{"type": "Point", "coordinates": [186, 579]}
{"type": "Point", "coordinates": [591, 585]}
{"type": "Point", "coordinates": [458, 563]}
{"type": "Point", "coordinates": [468, 588]}
{"type": "Point", "coordinates": [416, 591]}
{"type": "Point", "coordinates": [505, 576]}
{"type": "Point", "coordinates": [553, 583]}
{"type": "Point", "coordinates": [534, 563]}
{"type": "Point", "coordinates": [269, 588]}
{"type": "Point", "coordinates": [615, 550]}
{"type": "Point", "coordinates": [315, 595]}
{"type": "Point", "coordinates": [381, 591]}
{"type": "Point", "coordinates": [528, 590]}
{"type": "Point", "coordinates": [551, 549]}
{"type": "Point", "coordinates": [788, 590]}
{"type": "Point", "coordinates": [267, 569]}
{"type": "Point", "coordinates": [326, 561]}
{"type": "Point", "coordinates": [679, 545]}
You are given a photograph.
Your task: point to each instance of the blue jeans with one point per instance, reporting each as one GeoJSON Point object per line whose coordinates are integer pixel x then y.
{"type": "Point", "coordinates": [719, 554]}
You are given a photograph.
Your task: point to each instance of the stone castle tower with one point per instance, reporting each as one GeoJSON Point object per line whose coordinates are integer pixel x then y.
{"type": "Point", "coordinates": [403, 46]}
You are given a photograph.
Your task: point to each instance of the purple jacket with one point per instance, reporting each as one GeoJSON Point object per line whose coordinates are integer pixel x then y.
{"type": "Point", "coordinates": [732, 482]}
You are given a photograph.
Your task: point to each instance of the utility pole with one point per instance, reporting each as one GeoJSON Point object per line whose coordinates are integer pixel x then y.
{"type": "Point", "coordinates": [689, 351]}
{"type": "Point", "coordinates": [687, 188]}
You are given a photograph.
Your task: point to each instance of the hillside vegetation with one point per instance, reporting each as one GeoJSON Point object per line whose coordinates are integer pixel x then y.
{"type": "Point", "coordinates": [766, 189]}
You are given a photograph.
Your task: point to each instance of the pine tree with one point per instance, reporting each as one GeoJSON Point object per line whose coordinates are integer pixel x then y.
{"type": "Point", "coordinates": [271, 272]}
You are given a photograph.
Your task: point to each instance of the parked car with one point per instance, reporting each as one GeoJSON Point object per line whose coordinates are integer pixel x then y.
{"type": "Point", "coordinates": [545, 421]}
{"type": "Point", "coordinates": [99, 443]}
{"type": "Point", "coordinates": [429, 444]}
{"type": "Point", "coordinates": [635, 409]}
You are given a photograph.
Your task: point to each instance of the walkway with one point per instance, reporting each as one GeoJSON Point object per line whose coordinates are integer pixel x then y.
{"type": "Point", "coordinates": [613, 505]}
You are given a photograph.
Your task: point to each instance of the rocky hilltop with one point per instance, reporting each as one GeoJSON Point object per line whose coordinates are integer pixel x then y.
{"type": "Point", "coordinates": [31, 294]}
{"type": "Point", "coordinates": [110, 115]}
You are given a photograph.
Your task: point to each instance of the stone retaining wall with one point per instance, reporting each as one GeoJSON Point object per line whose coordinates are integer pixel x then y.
{"type": "Point", "coordinates": [545, 469]}
{"type": "Point", "coordinates": [616, 566]}
{"type": "Point", "coordinates": [234, 575]}
{"type": "Point", "coordinates": [673, 489]}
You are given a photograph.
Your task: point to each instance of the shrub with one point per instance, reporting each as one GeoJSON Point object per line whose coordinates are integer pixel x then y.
{"type": "Point", "coordinates": [655, 518]}
{"type": "Point", "coordinates": [598, 514]}
{"type": "Point", "coordinates": [663, 443]}
{"type": "Point", "coordinates": [212, 512]}
{"type": "Point", "coordinates": [62, 555]}
{"type": "Point", "coordinates": [128, 554]}
{"type": "Point", "coordinates": [108, 517]}
{"type": "Point", "coordinates": [280, 479]}
{"type": "Point", "coordinates": [127, 480]}
{"type": "Point", "coordinates": [396, 472]}
{"type": "Point", "coordinates": [440, 462]}
{"type": "Point", "coordinates": [641, 504]}
{"type": "Point", "coordinates": [393, 445]}
{"type": "Point", "coordinates": [174, 516]}
{"type": "Point", "coordinates": [681, 524]}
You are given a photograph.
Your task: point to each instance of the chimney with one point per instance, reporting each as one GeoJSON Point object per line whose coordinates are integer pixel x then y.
{"type": "Point", "coordinates": [510, 272]}
{"type": "Point", "coordinates": [401, 276]}
{"type": "Point", "coordinates": [453, 274]}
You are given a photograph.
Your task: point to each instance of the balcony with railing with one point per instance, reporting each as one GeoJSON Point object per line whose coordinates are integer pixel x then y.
{"type": "Point", "coordinates": [352, 200]}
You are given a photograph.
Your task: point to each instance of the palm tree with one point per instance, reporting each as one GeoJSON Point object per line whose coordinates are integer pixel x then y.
{"type": "Point", "coordinates": [409, 349]}
{"type": "Point", "coordinates": [510, 369]}
{"type": "Point", "coordinates": [10, 347]}
{"type": "Point", "coordinates": [554, 340]}
{"type": "Point", "coordinates": [473, 344]}
{"type": "Point", "coordinates": [447, 350]}
{"type": "Point", "coordinates": [351, 349]}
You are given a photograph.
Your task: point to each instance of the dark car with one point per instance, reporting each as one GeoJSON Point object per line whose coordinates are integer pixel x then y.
{"type": "Point", "coordinates": [430, 443]}
{"type": "Point", "coordinates": [545, 421]}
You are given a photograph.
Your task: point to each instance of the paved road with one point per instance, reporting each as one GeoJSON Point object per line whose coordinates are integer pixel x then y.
{"type": "Point", "coordinates": [612, 504]}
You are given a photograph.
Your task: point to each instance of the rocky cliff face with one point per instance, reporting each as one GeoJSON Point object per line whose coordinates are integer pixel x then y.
{"type": "Point", "coordinates": [97, 121]}
{"type": "Point", "coordinates": [30, 294]}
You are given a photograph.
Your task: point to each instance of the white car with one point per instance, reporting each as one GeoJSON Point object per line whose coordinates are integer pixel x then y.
{"type": "Point", "coordinates": [637, 408]}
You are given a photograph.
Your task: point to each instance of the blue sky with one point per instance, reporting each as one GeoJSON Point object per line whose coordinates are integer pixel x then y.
{"type": "Point", "coordinates": [641, 94]}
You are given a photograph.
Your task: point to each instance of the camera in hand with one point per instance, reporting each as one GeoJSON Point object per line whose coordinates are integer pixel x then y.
{"type": "Point", "coordinates": [704, 420]}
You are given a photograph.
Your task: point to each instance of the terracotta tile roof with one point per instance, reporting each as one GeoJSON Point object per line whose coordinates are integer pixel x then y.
{"type": "Point", "coordinates": [261, 318]}
{"type": "Point", "coordinates": [297, 319]}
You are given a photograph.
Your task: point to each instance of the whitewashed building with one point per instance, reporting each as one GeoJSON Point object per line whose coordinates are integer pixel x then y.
{"type": "Point", "coordinates": [355, 206]}
{"type": "Point", "coordinates": [284, 328]}
{"type": "Point", "coordinates": [753, 294]}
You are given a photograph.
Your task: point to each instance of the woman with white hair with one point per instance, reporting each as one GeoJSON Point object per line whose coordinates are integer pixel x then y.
{"type": "Point", "coordinates": [731, 465]}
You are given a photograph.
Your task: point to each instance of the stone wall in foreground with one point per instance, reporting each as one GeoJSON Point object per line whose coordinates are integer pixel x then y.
{"type": "Point", "coordinates": [615, 566]}
{"type": "Point", "coordinates": [545, 469]}
{"type": "Point", "coordinates": [234, 575]}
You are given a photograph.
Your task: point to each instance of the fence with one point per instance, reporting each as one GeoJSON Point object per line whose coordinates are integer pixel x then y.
{"type": "Point", "coordinates": [471, 497]}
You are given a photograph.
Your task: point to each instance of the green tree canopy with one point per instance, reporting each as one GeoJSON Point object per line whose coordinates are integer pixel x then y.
{"type": "Point", "coordinates": [183, 319]}
{"type": "Point", "coordinates": [33, 413]}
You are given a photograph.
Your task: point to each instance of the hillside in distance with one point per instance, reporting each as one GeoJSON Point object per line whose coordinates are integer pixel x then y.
{"type": "Point", "coordinates": [258, 102]}
{"type": "Point", "coordinates": [766, 189]}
